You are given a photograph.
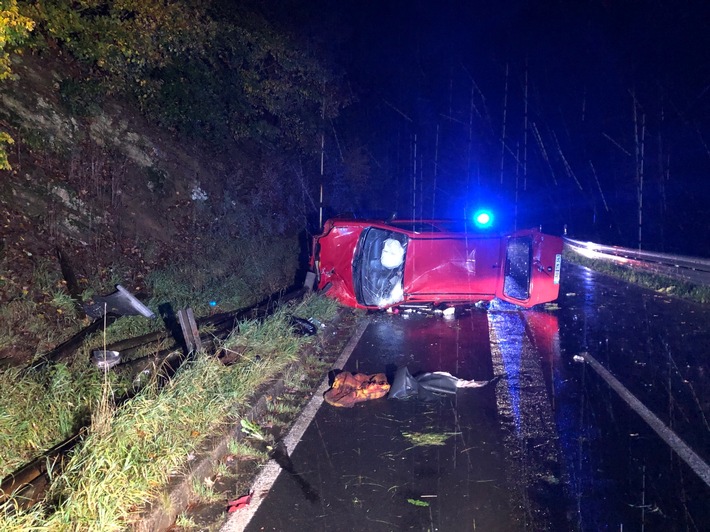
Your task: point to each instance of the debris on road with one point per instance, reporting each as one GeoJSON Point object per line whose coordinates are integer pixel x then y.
{"type": "Point", "coordinates": [417, 502]}
{"type": "Point", "coordinates": [424, 439]}
{"type": "Point", "coordinates": [427, 385]}
{"type": "Point", "coordinates": [349, 388]}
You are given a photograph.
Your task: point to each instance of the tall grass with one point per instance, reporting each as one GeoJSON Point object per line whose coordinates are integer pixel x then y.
{"type": "Point", "coordinates": [231, 275]}
{"type": "Point", "coordinates": [132, 451]}
{"type": "Point", "coordinates": [42, 408]}
{"type": "Point", "coordinates": [39, 313]}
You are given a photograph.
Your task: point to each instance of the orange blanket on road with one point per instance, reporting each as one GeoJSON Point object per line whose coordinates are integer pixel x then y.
{"type": "Point", "coordinates": [349, 388]}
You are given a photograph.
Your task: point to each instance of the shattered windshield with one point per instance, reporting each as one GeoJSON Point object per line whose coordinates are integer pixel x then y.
{"type": "Point", "coordinates": [378, 267]}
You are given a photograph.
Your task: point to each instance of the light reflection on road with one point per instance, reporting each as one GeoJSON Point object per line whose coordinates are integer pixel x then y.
{"type": "Point", "coordinates": [507, 330]}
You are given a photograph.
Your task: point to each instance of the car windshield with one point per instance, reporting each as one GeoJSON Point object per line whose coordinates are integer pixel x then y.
{"type": "Point", "coordinates": [378, 267]}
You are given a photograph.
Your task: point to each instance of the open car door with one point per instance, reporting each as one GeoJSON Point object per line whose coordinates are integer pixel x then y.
{"type": "Point", "coordinates": [530, 272]}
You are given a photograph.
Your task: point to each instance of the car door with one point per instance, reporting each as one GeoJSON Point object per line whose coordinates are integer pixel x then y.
{"type": "Point", "coordinates": [530, 268]}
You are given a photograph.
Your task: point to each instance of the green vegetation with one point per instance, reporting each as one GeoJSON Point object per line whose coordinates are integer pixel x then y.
{"type": "Point", "coordinates": [230, 274]}
{"type": "Point", "coordinates": [243, 450]}
{"type": "Point", "coordinates": [186, 523]}
{"type": "Point", "coordinates": [656, 282]}
{"type": "Point", "coordinates": [203, 489]}
{"type": "Point", "coordinates": [42, 409]}
{"type": "Point", "coordinates": [31, 308]}
{"type": "Point", "coordinates": [418, 502]}
{"type": "Point", "coordinates": [209, 69]}
{"type": "Point", "coordinates": [14, 29]}
{"type": "Point", "coordinates": [138, 445]}
{"type": "Point", "coordinates": [422, 439]}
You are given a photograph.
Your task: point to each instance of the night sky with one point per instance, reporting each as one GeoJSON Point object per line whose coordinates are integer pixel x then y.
{"type": "Point", "coordinates": [551, 112]}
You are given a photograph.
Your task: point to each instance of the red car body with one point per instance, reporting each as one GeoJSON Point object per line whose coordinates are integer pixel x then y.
{"type": "Point", "coordinates": [376, 264]}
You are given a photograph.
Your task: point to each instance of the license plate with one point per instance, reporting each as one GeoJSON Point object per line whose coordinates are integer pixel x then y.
{"type": "Point", "coordinates": [558, 267]}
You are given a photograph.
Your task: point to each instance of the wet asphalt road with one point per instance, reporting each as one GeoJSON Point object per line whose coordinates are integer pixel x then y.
{"type": "Point", "coordinates": [548, 447]}
{"type": "Point", "coordinates": [621, 472]}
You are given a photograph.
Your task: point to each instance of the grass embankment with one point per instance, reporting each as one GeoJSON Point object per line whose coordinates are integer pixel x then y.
{"type": "Point", "coordinates": [42, 408]}
{"type": "Point", "coordinates": [130, 452]}
{"type": "Point", "coordinates": [656, 282]}
{"type": "Point", "coordinates": [37, 310]}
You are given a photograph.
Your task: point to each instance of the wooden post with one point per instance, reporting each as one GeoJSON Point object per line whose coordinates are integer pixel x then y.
{"type": "Point", "coordinates": [189, 330]}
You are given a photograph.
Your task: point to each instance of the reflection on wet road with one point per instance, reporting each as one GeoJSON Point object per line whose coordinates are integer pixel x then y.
{"type": "Point", "coordinates": [621, 473]}
{"type": "Point", "coordinates": [548, 447]}
{"type": "Point", "coordinates": [520, 341]}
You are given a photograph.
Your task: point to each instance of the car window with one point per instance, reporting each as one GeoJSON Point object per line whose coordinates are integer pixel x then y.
{"type": "Point", "coordinates": [517, 268]}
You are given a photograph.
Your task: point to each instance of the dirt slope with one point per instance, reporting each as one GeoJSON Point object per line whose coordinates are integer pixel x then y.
{"type": "Point", "coordinates": [117, 195]}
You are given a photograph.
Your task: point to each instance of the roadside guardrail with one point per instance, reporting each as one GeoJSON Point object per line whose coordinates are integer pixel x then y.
{"type": "Point", "coordinates": [691, 269]}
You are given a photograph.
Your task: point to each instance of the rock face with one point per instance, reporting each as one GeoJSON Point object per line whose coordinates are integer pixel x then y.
{"type": "Point", "coordinates": [119, 196]}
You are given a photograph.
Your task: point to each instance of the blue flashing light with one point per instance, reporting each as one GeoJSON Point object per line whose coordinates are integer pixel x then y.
{"type": "Point", "coordinates": [213, 303]}
{"type": "Point", "coordinates": [483, 218]}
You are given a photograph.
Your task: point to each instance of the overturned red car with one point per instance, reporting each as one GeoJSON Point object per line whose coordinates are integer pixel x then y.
{"type": "Point", "coordinates": [380, 264]}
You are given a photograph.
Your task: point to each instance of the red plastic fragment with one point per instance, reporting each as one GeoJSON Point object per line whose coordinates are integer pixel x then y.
{"type": "Point", "coordinates": [238, 504]}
